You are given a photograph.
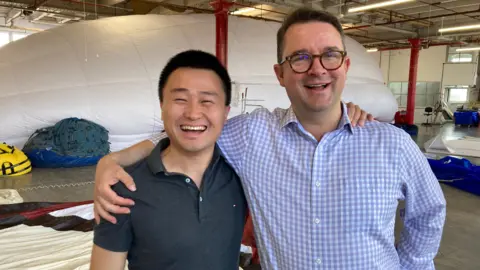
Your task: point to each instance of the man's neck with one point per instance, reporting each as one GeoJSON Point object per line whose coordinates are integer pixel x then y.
{"type": "Point", "coordinates": [193, 165]}
{"type": "Point", "coordinates": [319, 123]}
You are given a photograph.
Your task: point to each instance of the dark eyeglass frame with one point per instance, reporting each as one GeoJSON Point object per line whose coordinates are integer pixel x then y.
{"type": "Point", "coordinates": [313, 56]}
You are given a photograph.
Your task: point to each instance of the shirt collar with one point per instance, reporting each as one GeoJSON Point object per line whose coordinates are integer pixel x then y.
{"type": "Point", "coordinates": [290, 117]}
{"type": "Point", "coordinates": [155, 163]}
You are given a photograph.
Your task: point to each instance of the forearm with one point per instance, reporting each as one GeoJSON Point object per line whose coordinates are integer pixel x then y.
{"type": "Point", "coordinates": [103, 259]}
{"type": "Point", "coordinates": [420, 239]}
{"type": "Point", "coordinates": [132, 154]}
{"type": "Point", "coordinates": [425, 209]}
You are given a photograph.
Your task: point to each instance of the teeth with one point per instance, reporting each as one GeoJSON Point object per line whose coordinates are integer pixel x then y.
{"type": "Point", "coordinates": [194, 128]}
{"type": "Point", "coordinates": [317, 85]}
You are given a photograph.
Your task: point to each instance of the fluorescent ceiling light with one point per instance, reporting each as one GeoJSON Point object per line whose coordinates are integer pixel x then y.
{"type": "Point", "coordinates": [372, 50]}
{"type": "Point", "coordinates": [468, 49]}
{"type": "Point", "coordinates": [243, 10]}
{"type": "Point", "coordinates": [459, 28]}
{"type": "Point", "coordinates": [378, 5]}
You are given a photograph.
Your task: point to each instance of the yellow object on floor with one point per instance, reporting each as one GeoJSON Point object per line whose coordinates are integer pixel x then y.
{"type": "Point", "coordinates": [13, 161]}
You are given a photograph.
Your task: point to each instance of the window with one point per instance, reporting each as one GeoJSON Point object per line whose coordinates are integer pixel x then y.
{"type": "Point", "coordinates": [459, 57]}
{"type": "Point", "coordinates": [7, 37]}
{"type": "Point", "coordinates": [458, 95]}
{"type": "Point", "coordinates": [17, 36]}
{"type": "Point", "coordinates": [427, 93]}
{"type": "Point", "coordinates": [4, 38]}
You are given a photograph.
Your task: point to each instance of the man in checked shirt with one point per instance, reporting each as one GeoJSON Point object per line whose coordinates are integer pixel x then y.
{"type": "Point", "coordinates": [322, 193]}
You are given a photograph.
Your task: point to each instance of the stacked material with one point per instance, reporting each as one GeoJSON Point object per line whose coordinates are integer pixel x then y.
{"type": "Point", "coordinates": [44, 235]}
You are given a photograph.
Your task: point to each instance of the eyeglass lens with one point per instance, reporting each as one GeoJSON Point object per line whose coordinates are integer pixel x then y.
{"type": "Point", "coordinates": [329, 60]}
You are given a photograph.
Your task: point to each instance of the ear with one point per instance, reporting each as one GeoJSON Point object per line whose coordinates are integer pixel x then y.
{"type": "Point", "coordinates": [227, 111]}
{"type": "Point", "coordinates": [161, 111]}
{"type": "Point", "coordinates": [279, 72]}
{"type": "Point", "coordinates": [347, 64]}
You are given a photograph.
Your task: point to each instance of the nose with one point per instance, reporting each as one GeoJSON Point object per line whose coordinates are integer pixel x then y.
{"type": "Point", "coordinates": [192, 111]}
{"type": "Point", "coordinates": [316, 69]}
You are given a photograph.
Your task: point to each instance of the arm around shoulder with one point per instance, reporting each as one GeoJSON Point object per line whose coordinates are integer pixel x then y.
{"type": "Point", "coordinates": [425, 209]}
{"type": "Point", "coordinates": [132, 154]}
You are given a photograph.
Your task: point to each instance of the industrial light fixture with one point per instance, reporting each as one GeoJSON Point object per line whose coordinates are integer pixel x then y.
{"type": "Point", "coordinates": [468, 49]}
{"type": "Point", "coordinates": [243, 10]}
{"type": "Point", "coordinates": [378, 5]}
{"type": "Point", "coordinates": [372, 50]}
{"type": "Point", "coordinates": [459, 28]}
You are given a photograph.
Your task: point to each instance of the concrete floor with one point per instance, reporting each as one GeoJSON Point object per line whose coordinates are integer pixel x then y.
{"type": "Point", "coordinates": [460, 248]}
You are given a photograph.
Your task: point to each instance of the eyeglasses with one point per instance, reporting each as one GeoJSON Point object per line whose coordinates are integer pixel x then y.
{"type": "Point", "coordinates": [302, 62]}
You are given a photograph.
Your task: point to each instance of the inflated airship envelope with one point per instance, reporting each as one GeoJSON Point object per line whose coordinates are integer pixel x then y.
{"type": "Point", "coordinates": [107, 70]}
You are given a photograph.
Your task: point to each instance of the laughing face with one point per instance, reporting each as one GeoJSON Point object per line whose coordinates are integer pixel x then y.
{"type": "Point", "coordinates": [317, 89]}
{"type": "Point", "coordinates": [193, 109]}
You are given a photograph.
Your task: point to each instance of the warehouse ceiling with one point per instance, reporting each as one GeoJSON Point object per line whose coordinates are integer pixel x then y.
{"type": "Point", "coordinates": [387, 27]}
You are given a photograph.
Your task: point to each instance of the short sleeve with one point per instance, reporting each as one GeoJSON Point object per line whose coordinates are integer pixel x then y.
{"type": "Point", "coordinates": [158, 137]}
{"type": "Point", "coordinates": [114, 237]}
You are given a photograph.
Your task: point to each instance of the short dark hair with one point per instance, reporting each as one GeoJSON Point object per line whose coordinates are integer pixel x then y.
{"type": "Point", "coordinates": [199, 60]}
{"type": "Point", "coordinates": [305, 15]}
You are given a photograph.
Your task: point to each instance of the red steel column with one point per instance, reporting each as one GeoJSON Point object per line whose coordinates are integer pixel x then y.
{"type": "Point", "coordinates": [221, 19]}
{"type": "Point", "coordinates": [412, 79]}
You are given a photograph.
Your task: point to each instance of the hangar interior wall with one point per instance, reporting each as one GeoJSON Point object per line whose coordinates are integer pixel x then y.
{"type": "Point", "coordinates": [439, 70]}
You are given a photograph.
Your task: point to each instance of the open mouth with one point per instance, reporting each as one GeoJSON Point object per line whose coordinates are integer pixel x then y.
{"type": "Point", "coordinates": [319, 86]}
{"type": "Point", "coordinates": [193, 129]}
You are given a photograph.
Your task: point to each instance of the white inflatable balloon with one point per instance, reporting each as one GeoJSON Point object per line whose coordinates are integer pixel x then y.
{"type": "Point", "coordinates": [107, 71]}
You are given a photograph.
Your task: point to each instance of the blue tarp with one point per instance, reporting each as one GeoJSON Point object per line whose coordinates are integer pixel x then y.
{"type": "Point", "coordinates": [457, 172]}
{"type": "Point", "coordinates": [72, 142]}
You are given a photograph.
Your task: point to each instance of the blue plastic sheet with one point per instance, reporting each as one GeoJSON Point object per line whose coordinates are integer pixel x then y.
{"type": "Point", "coordinates": [45, 158]}
{"type": "Point", "coordinates": [457, 172]}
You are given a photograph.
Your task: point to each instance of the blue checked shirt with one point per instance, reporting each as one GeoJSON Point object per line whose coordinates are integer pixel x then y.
{"type": "Point", "coordinates": [332, 204]}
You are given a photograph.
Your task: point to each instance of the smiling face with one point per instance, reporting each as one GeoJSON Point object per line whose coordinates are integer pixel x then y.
{"type": "Point", "coordinates": [193, 109]}
{"type": "Point", "coordinates": [317, 89]}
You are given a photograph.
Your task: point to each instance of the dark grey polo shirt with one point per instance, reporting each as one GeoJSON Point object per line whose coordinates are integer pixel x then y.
{"type": "Point", "coordinates": [175, 225]}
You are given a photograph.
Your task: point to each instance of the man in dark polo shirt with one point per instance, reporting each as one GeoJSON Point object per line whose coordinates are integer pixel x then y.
{"type": "Point", "coordinates": [190, 209]}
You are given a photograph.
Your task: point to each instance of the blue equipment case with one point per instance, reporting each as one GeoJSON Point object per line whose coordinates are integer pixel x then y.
{"type": "Point", "coordinates": [466, 118]}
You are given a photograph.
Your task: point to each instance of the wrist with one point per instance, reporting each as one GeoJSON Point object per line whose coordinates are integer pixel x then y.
{"type": "Point", "coordinates": [110, 158]}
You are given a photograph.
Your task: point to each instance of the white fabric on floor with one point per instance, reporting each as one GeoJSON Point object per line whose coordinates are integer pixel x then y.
{"type": "Point", "coordinates": [84, 211]}
{"type": "Point", "coordinates": [10, 196]}
{"type": "Point", "coordinates": [42, 248]}
{"type": "Point", "coordinates": [466, 146]}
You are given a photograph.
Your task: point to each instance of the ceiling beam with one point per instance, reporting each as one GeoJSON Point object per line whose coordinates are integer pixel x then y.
{"type": "Point", "coordinates": [389, 14]}
{"type": "Point", "coordinates": [416, 8]}
{"type": "Point", "coordinates": [410, 20]}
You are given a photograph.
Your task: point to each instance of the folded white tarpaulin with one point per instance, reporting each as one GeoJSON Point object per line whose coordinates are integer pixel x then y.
{"type": "Point", "coordinates": [46, 236]}
{"type": "Point", "coordinates": [466, 146]}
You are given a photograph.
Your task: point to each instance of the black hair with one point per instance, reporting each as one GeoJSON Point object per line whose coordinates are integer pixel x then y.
{"type": "Point", "coordinates": [305, 15]}
{"type": "Point", "coordinates": [199, 60]}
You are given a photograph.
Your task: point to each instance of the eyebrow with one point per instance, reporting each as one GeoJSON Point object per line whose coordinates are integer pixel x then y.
{"type": "Point", "coordinates": [326, 49]}
{"type": "Point", "coordinates": [206, 93]}
{"type": "Point", "coordinates": [332, 48]}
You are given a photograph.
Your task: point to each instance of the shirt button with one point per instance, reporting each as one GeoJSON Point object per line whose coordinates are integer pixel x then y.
{"type": "Point", "coordinates": [187, 180]}
{"type": "Point", "coordinates": [201, 199]}
{"type": "Point", "coordinates": [316, 220]}
{"type": "Point", "coordinates": [317, 184]}
{"type": "Point", "coordinates": [318, 261]}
